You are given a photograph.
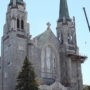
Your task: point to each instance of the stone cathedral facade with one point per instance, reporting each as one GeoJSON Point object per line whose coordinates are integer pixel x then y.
{"type": "Point", "coordinates": [56, 59]}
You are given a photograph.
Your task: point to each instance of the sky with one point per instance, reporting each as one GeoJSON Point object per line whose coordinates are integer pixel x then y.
{"type": "Point", "coordinates": [42, 11]}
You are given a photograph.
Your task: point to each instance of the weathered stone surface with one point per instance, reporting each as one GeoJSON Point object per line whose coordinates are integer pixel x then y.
{"type": "Point", "coordinates": [53, 57]}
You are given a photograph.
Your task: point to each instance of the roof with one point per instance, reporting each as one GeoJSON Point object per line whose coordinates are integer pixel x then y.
{"type": "Point", "coordinates": [47, 36]}
{"type": "Point", "coordinates": [17, 2]}
{"type": "Point", "coordinates": [63, 10]}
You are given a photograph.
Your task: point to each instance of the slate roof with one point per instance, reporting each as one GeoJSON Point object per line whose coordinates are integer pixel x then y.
{"type": "Point", "coordinates": [63, 10]}
{"type": "Point", "coordinates": [17, 2]}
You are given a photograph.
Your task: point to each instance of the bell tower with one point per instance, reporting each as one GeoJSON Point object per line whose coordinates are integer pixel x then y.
{"type": "Point", "coordinates": [14, 42]}
{"type": "Point", "coordinates": [66, 32]}
{"type": "Point", "coordinates": [70, 59]}
{"type": "Point", "coordinates": [16, 17]}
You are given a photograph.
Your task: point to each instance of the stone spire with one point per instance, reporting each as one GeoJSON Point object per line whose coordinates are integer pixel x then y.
{"type": "Point", "coordinates": [14, 2]}
{"type": "Point", "coordinates": [63, 13]}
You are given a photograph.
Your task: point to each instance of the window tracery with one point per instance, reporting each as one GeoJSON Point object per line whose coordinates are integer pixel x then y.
{"type": "Point", "coordinates": [48, 63]}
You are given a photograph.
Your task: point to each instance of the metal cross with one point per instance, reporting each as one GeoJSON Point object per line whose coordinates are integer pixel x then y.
{"type": "Point", "coordinates": [48, 24]}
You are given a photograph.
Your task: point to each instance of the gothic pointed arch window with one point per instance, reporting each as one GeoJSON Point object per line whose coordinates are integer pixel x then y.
{"type": "Point", "coordinates": [70, 38]}
{"type": "Point", "coordinates": [60, 37]}
{"type": "Point", "coordinates": [22, 24]}
{"type": "Point", "coordinates": [48, 65]}
{"type": "Point", "coordinates": [18, 23]}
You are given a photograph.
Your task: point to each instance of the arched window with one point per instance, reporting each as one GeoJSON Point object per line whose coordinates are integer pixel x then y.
{"type": "Point", "coordinates": [0, 67]}
{"type": "Point", "coordinates": [48, 65]}
{"type": "Point", "coordinates": [22, 24]}
{"type": "Point", "coordinates": [60, 37]}
{"type": "Point", "coordinates": [18, 23]}
{"type": "Point", "coordinates": [70, 39]}
{"type": "Point", "coordinates": [48, 59]}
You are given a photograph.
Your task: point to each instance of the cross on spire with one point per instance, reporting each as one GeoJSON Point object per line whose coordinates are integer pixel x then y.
{"type": "Point", "coordinates": [48, 25]}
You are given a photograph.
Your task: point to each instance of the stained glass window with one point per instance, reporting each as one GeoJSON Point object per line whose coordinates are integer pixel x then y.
{"type": "Point", "coordinates": [48, 62]}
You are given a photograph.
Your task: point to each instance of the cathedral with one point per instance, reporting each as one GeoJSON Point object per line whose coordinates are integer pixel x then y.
{"type": "Point", "coordinates": [55, 58]}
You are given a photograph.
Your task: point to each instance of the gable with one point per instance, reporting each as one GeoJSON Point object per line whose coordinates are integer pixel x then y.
{"type": "Point", "coordinates": [45, 38]}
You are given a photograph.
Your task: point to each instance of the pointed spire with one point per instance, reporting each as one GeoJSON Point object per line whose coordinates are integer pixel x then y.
{"type": "Point", "coordinates": [14, 2]}
{"type": "Point", "coordinates": [63, 13]}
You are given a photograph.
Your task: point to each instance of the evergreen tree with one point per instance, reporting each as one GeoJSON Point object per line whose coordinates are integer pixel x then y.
{"type": "Point", "coordinates": [86, 88]}
{"type": "Point", "coordinates": [26, 78]}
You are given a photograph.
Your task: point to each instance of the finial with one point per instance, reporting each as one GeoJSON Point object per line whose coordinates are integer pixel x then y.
{"type": "Point", "coordinates": [74, 20]}
{"type": "Point", "coordinates": [48, 25]}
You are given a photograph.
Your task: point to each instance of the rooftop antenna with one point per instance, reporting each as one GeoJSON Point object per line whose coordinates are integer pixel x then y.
{"type": "Point", "coordinates": [86, 18]}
